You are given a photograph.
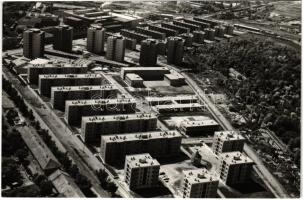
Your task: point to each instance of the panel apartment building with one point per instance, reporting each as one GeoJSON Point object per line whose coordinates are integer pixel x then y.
{"type": "Point", "coordinates": [76, 109]}
{"type": "Point", "coordinates": [61, 94]}
{"type": "Point", "coordinates": [141, 171]}
{"type": "Point", "coordinates": [33, 71]}
{"type": "Point", "coordinates": [47, 81]}
{"type": "Point", "coordinates": [159, 144]}
{"type": "Point", "coordinates": [93, 127]}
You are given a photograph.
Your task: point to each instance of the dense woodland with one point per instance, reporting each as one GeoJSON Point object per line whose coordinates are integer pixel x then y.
{"type": "Point", "coordinates": [270, 94]}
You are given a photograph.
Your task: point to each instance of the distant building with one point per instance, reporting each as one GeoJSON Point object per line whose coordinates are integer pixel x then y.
{"type": "Point", "coordinates": [34, 70]}
{"type": "Point", "coordinates": [235, 168]}
{"type": "Point", "coordinates": [174, 108]}
{"type": "Point", "coordinates": [76, 109]}
{"type": "Point", "coordinates": [146, 73]}
{"type": "Point", "coordinates": [227, 141]}
{"type": "Point", "coordinates": [92, 128]}
{"type": "Point", "coordinates": [152, 33]}
{"type": "Point", "coordinates": [192, 27]}
{"type": "Point", "coordinates": [202, 25]}
{"type": "Point", "coordinates": [134, 80]}
{"type": "Point", "coordinates": [134, 35]}
{"type": "Point", "coordinates": [115, 48]}
{"type": "Point", "coordinates": [168, 32]}
{"type": "Point", "coordinates": [198, 36]}
{"type": "Point", "coordinates": [229, 29]}
{"type": "Point", "coordinates": [175, 50]}
{"type": "Point", "coordinates": [61, 94]}
{"type": "Point", "coordinates": [63, 38]}
{"type": "Point", "coordinates": [33, 43]}
{"type": "Point", "coordinates": [199, 183]}
{"type": "Point", "coordinates": [95, 39]}
{"type": "Point", "coordinates": [188, 39]}
{"type": "Point", "coordinates": [148, 53]}
{"type": "Point", "coordinates": [141, 171]}
{"type": "Point", "coordinates": [65, 184]}
{"type": "Point", "coordinates": [159, 144]}
{"type": "Point", "coordinates": [209, 34]}
{"type": "Point", "coordinates": [201, 127]}
{"type": "Point", "coordinates": [180, 29]}
{"type": "Point", "coordinates": [219, 31]}
{"type": "Point", "coordinates": [46, 81]}
{"type": "Point", "coordinates": [174, 79]}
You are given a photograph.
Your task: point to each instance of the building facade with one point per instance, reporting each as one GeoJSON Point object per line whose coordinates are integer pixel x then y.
{"type": "Point", "coordinates": [63, 38]}
{"type": "Point", "coordinates": [148, 53]}
{"type": "Point", "coordinates": [199, 183]}
{"type": "Point", "coordinates": [33, 43]}
{"type": "Point", "coordinates": [92, 128]}
{"type": "Point", "coordinates": [141, 171]}
{"type": "Point", "coordinates": [46, 81]}
{"type": "Point", "coordinates": [159, 144]}
{"type": "Point", "coordinates": [175, 50]}
{"type": "Point", "coordinates": [227, 141]}
{"type": "Point", "coordinates": [95, 39]}
{"type": "Point", "coordinates": [234, 168]}
{"type": "Point", "coordinates": [63, 93]}
{"type": "Point", "coordinates": [76, 109]}
{"type": "Point", "coordinates": [115, 48]}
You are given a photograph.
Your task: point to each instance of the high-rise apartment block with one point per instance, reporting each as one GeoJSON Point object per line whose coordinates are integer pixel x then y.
{"type": "Point", "coordinates": [115, 48]}
{"type": "Point", "coordinates": [46, 81]}
{"type": "Point", "coordinates": [141, 171]}
{"type": "Point", "coordinates": [76, 109]}
{"type": "Point", "coordinates": [61, 94]}
{"type": "Point", "coordinates": [227, 141]}
{"type": "Point", "coordinates": [200, 127]}
{"type": "Point", "coordinates": [199, 183]}
{"type": "Point", "coordinates": [175, 50]}
{"type": "Point", "coordinates": [159, 144]}
{"type": "Point", "coordinates": [235, 168]}
{"type": "Point", "coordinates": [63, 38]}
{"type": "Point", "coordinates": [95, 39]}
{"type": "Point", "coordinates": [93, 127]}
{"type": "Point", "coordinates": [33, 43]}
{"type": "Point", "coordinates": [148, 53]}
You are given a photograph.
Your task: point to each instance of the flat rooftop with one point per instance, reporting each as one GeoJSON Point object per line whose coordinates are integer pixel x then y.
{"type": "Point", "coordinates": [134, 77]}
{"type": "Point", "coordinates": [84, 88]}
{"type": "Point", "coordinates": [171, 98]}
{"type": "Point", "coordinates": [67, 76]}
{"type": "Point", "coordinates": [144, 68]}
{"type": "Point", "coordinates": [235, 157]}
{"type": "Point", "coordinates": [56, 65]}
{"type": "Point", "coordinates": [185, 105]}
{"type": "Point", "coordinates": [197, 176]}
{"type": "Point", "coordinates": [199, 123]}
{"type": "Point", "coordinates": [229, 135]}
{"type": "Point", "coordinates": [98, 102]}
{"type": "Point", "coordinates": [141, 160]}
{"type": "Point", "coordinates": [174, 76]}
{"type": "Point", "coordinates": [140, 136]}
{"type": "Point", "coordinates": [108, 118]}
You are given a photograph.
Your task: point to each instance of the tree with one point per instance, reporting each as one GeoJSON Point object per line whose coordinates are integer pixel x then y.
{"type": "Point", "coordinates": [111, 187]}
{"type": "Point", "coordinates": [83, 182]}
{"type": "Point", "coordinates": [73, 170]}
{"type": "Point", "coordinates": [102, 175]}
{"type": "Point", "coordinates": [21, 154]}
{"type": "Point", "coordinates": [10, 172]}
{"type": "Point", "coordinates": [46, 188]}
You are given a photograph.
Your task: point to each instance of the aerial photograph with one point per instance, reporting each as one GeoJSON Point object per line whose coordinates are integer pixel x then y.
{"type": "Point", "coordinates": [151, 99]}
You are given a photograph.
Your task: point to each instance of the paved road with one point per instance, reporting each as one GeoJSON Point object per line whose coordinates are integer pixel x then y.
{"type": "Point", "coordinates": [272, 183]}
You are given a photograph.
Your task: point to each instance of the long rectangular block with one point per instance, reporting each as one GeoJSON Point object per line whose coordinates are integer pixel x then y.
{"type": "Point", "coordinates": [50, 80]}
{"type": "Point", "coordinates": [61, 94]}
{"type": "Point", "coordinates": [76, 109]}
{"type": "Point", "coordinates": [92, 128]}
